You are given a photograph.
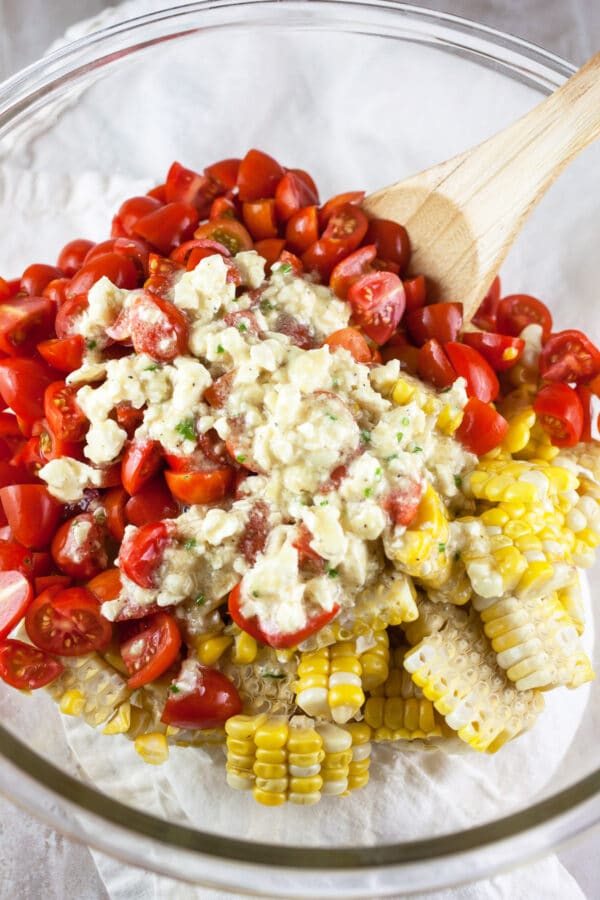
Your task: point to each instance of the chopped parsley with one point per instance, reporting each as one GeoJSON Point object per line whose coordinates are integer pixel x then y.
{"type": "Point", "coordinates": [200, 599]}
{"type": "Point", "coordinates": [240, 458]}
{"type": "Point", "coordinates": [220, 348]}
{"type": "Point", "coordinates": [332, 417]}
{"type": "Point", "coordinates": [417, 450]}
{"type": "Point", "coordinates": [151, 368]}
{"type": "Point", "coordinates": [399, 436]}
{"type": "Point", "coordinates": [378, 472]}
{"type": "Point", "coordinates": [405, 421]}
{"type": "Point", "coordinates": [391, 457]}
{"type": "Point", "coordinates": [272, 675]}
{"type": "Point", "coordinates": [187, 429]}
{"type": "Point", "coordinates": [242, 327]}
{"type": "Point", "coordinates": [457, 480]}
{"type": "Point", "coordinates": [365, 436]}
{"type": "Point", "coordinates": [91, 345]}
{"type": "Point", "coordinates": [174, 689]}
{"type": "Point", "coordinates": [266, 306]}
{"type": "Point", "coordinates": [190, 543]}
{"type": "Point", "coordinates": [442, 548]}
{"type": "Point", "coordinates": [255, 593]}
{"type": "Point", "coordinates": [335, 382]}
{"type": "Point", "coordinates": [285, 268]}
{"type": "Point", "coordinates": [368, 492]}
{"type": "Point", "coordinates": [324, 503]}
{"type": "Point", "coordinates": [332, 573]}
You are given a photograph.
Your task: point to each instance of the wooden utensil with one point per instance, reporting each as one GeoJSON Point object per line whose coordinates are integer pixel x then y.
{"type": "Point", "coordinates": [463, 215]}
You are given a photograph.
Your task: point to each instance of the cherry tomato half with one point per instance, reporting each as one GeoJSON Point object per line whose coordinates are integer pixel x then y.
{"type": "Point", "coordinates": [63, 354]}
{"type": "Point", "coordinates": [191, 187]}
{"type": "Point", "coordinates": [293, 192]}
{"type": "Point", "coordinates": [141, 462]}
{"type": "Point", "coordinates": [151, 649]}
{"type": "Point", "coordinates": [67, 622]}
{"type": "Point", "coordinates": [517, 311]}
{"type": "Point", "coordinates": [569, 356]}
{"type": "Point", "coordinates": [106, 586]}
{"type": "Point", "coordinates": [351, 268]}
{"type": "Point", "coordinates": [25, 667]}
{"type": "Point", "coordinates": [32, 513]}
{"type": "Point", "coordinates": [258, 176]}
{"type": "Point", "coordinates": [228, 232]}
{"type": "Point", "coordinates": [22, 385]}
{"type": "Point", "coordinates": [499, 350]}
{"type": "Point", "coordinates": [351, 340]}
{"type": "Point", "coordinates": [559, 410]}
{"type": "Point", "coordinates": [152, 502]}
{"type": "Point", "coordinates": [79, 546]}
{"type": "Point", "coordinates": [377, 302]}
{"type": "Point", "coordinates": [158, 328]}
{"type": "Point", "coordinates": [16, 594]}
{"type": "Point", "coordinates": [485, 315]}
{"type": "Point", "coordinates": [208, 704]}
{"type": "Point", "coordinates": [302, 229]}
{"type": "Point", "coordinates": [65, 419]}
{"type": "Point", "coordinates": [208, 486]}
{"type": "Point", "coordinates": [72, 256]}
{"type": "Point", "coordinates": [168, 226]}
{"type": "Point", "coordinates": [441, 321]}
{"type": "Point", "coordinates": [434, 365]}
{"type": "Point", "coordinates": [479, 375]}
{"type": "Point", "coordinates": [260, 218]}
{"type": "Point", "coordinates": [23, 323]}
{"type": "Point", "coordinates": [35, 278]}
{"type": "Point", "coordinates": [141, 553]}
{"type": "Point", "coordinates": [482, 428]}
{"type": "Point", "coordinates": [391, 240]}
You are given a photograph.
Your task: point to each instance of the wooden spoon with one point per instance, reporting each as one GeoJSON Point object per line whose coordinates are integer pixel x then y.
{"type": "Point", "coordinates": [463, 215]}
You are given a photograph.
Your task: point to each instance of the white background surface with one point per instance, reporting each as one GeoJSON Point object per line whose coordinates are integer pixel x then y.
{"type": "Point", "coordinates": [34, 861]}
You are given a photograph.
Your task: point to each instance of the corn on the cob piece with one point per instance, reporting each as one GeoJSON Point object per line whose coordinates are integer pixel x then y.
{"type": "Point", "coordinates": [535, 642]}
{"type": "Point", "coordinates": [264, 683]}
{"type": "Point", "coordinates": [397, 709]}
{"type": "Point", "coordinates": [374, 659]}
{"type": "Point", "coordinates": [571, 600]}
{"type": "Point", "coordinates": [390, 601]}
{"type": "Point", "coordinates": [421, 550]}
{"type": "Point", "coordinates": [457, 670]}
{"type": "Point", "coordinates": [329, 682]}
{"type": "Point", "coordinates": [358, 769]}
{"type": "Point", "coordinates": [101, 688]}
{"type": "Point", "coordinates": [281, 760]}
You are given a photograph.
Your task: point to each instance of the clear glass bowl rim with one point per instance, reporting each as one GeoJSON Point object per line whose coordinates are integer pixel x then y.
{"type": "Point", "coordinates": [570, 811]}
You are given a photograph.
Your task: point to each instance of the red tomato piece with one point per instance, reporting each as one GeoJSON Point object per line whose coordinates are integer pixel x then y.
{"type": "Point", "coordinates": [203, 247]}
{"type": "Point", "coordinates": [132, 210]}
{"type": "Point", "coordinates": [25, 667]}
{"type": "Point", "coordinates": [224, 208]}
{"type": "Point", "coordinates": [347, 225]}
{"type": "Point", "coordinates": [228, 232]}
{"type": "Point", "coordinates": [482, 428]}
{"type": "Point", "coordinates": [162, 274]}
{"type": "Point", "coordinates": [433, 365]}
{"type": "Point", "coordinates": [141, 553]}
{"type": "Point", "coordinates": [270, 249]}
{"type": "Point", "coordinates": [16, 557]}
{"type": "Point", "coordinates": [56, 291]}
{"type": "Point", "coordinates": [9, 289]}
{"type": "Point", "coordinates": [334, 203]}
{"type": "Point", "coordinates": [16, 594]}
{"type": "Point", "coordinates": [153, 502]}
{"type": "Point", "coordinates": [225, 172]}
{"type": "Point", "coordinates": [158, 328]}
{"type": "Point", "coordinates": [79, 546]}
{"type": "Point", "coordinates": [302, 229]}
{"type": "Point", "coordinates": [208, 486]}
{"type": "Point", "coordinates": [499, 350]}
{"type": "Point", "coordinates": [391, 240]}
{"type": "Point", "coordinates": [559, 410]}
{"type": "Point", "coordinates": [152, 649]}
{"type": "Point", "coordinates": [351, 268]}
{"type": "Point", "coordinates": [569, 356]}
{"type": "Point", "coordinates": [141, 462]}
{"type": "Point", "coordinates": [190, 187]}
{"type": "Point", "coordinates": [67, 318]}
{"type": "Point", "coordinates": [29, 455]}
{"type": "Point", "coordinates": [63, 354]}
{"type": "Point", "coordinates": [377, 302]}
{"type": "Point", "coordinates": [402, 506]}
{"type": "Point", "coordinates": [43, 582]}
{"type": "Point", "coordinates": [485, 316]}
{"type": "Point", "coordinates": [217, 394]}
{"type": "Point", "coordinates": [52, 447]}
{"type": "Point", "coordinates": [72, 256]}
{"type": "Point", "coordinates": [441, 321]}
{"type": "Point", "coordinates": [291, 260]}
{"type": "Point", "coordinates": [106, 586]}
{"type": "Point", "coordinates": [253, 539]}
{"type": "Point", "coordinates": [251, 625]}
{"type": "Point", "coordinates": [117, 268]}
{"type": "Point", "coordinates": [260, 218]}
{"type": "Point", "coordinates": [479, 375]}
{"type": "Point", "coordinates": [168, 226]}
{"type": "Point", "coordinates": [23, 323]}
{"type": "Point", "coordinates": [307, 557]}
{"type": "Point", "coordinates": [293, 192]}
{"type": "Point", "coordinates": [258, 176]}
{"type": "Point", "coordinates": [159, 193]}
{"type": "Point", "coordinates": [517, 311]}
{"type": "Point", "coordinates": [129, 418]}
{"type": "Point", "coordinates": [406, 353]}
{"type": "Point", "coordinates": [300, 335]}
{"type": "Point", "coordinates": [65, 419]}
{"type": "Point", "coordinates": [32, 513]}
{"type": "Point", "coordinates": [114, 503]}
{"type": "Point", "coordinates": [35, 278]}
{"type": "Point", "coordinates": [67, 622]}
{"type": "Point", "coordinates": [212, 700]}
{"type": "Point", "coordinates": [22, 385]}
{"type": "Point", "coordinates": [351, 340]}
{"type": "Point", "coordinates": [242, 319]}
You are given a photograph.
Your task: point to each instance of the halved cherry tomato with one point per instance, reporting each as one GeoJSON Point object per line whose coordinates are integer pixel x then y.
{"type": "Point", "coordinates": [9, 289]}
{"type": "Point", "coordinates": [346, 225]}
{"type": "Point", "coordinates": [162, 274]}
{"type": "Point", "coordinates": [406, 353]}
{"type": "Point", "coordinates": [559, 410]}
{"type": "Point", "coordinates": [79, 546]}
{"type": "Point", "coordinates": [402, 506]}
{"type": "Point", "coordinates": [334, 203]}
{"type": "Point", "coordinates": [482, 428]}
{"type": "Point", "coordinates": [302, 229]}
{"type": "Point", "coordinates": [291, 260]}
{"type": "Point", "coordinates": [499, 350]}
{"type": "Point", "coordinates": [433, 365]}
{"type": "Point", "coordinates": [43, 582]}
{"type": "Point", "coordinates": [72, 256]}
{"type": "Point", "coordinates": [258, 176]}
{"type": "Point", "coordinates": [377, 302]}
{"type": "Point", "coordinates": [65, 419]}
{"type": "Point", "coordinates": [29, 455]}
{"type": "Point", "coordinates": [16, 594]}
{"type": "Point", "coordinates": [191, 187]}
{"type": "Point", "coordinates": [116, 267]}
{"type": "Point", "coordinates": [52, 447]}
{"type": "Point", "coordinates": [224, 208]}
{"type": "Point", "coordinates": [106, 586]}
{"type": "Point", "coordinates": [251, 625]}
{"type": "Point", "coordinates": [114, 503]}
{"type": "Point", "coordinates": [351, 268]}
{"type": "Point", "coordinates": [153, 502]}
{"type": "Point", "coordinates": [517, 311]}
{"type": "Point", "coordinates": [32, 513]}
{"type": "Point", "coordinates": [485, 315]}
{"type": "Point", "coordinates": [253, 539]}
{"type": "Point", "coordinates": [152, 648]}
{"type": "Point", "coordinates": [141, 553]}
{"type": "Point", "coordinates": [350, 339]}
{"type": "Point", "coordinates": [208, 486]}
{"type": "Point", "coordinates": [159, 193]}
{"type": "Point", "coordinates": [569, 356]}
{"type": "Point", "coordinates": [391, 240]}
{"type": "Point", "coordinates": [132, 210]}
{"type": "Point", "coordinates": [23, 323]}
{"type": "Point", "coordinates": [212, 700]}
{"type": "Point", "coordinates": [25, 667]}
{"type": "Point", "coordinates": [441, 321]}
{"type": "Point", "coordinates": [260, 218]}
{"type": "Point", "coordinates": [128, 417]}
{"type": "Point", "coordinates": [228, 232]}
{"type": "Point", "coordinates": [292, 193]}
{"type": "Point", "coordinates": [56, 291]}
{"type": "Point", "coordinates": [158, 328]}
{"type": "Point", "coordinates": [225, 172]}
{"type": "Point", "coordinates": [63, 354]}
{"type": "Point", "coordinates": [191, 252]}
{"type": "Point", "coordinates": [35, 278]}
{"type": "Point", "coordinates": [22, 385]}
{"type": "Point", "coordinates": [141, 462]}
{"type": "Point", "coordinates": [67, 622]}
{"type": "Point", "coordinates": [306, 554]}
{"type": "Point", "coordinates": [168, 226]}
{"type": "Point", "coordinates": [16, 557]}
{"type": "Point", "coordinates": [479, 375]}
{"type": "Point", "coordinates": [270, 249]}
{"type": "Point", "coordinates": [66, 323]}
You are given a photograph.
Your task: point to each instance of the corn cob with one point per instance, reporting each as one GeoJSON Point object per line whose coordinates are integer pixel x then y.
{"type": "Point", "coordinates": [265, 682]}
{"type": "Point", "coordinates": [99, 688]}
{"type": "Point", "coordinates": [571, 600]}
{"type": "Point", "coordinates": [329, 682]}
{"type": "Point", "coordinates": [458, 672]}
{"type": "Point", "coordinates": [335, 766]}
{"type": "Point", "coordinates": [358, 770]}
{"type": "Point", "coordinates": [421, 550]}
{"type": "Point", "coordinates": [535, 642]}
{"type": "Point", "coordinates": [398, 711]}
{"type": "Point", "coordinates": [374, 659]}
{"type": "Point", "coordinates": [391, 601]}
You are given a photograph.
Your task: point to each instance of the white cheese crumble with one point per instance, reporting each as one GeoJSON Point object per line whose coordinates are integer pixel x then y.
{"type": "Point", "coordinates": [68, 478]}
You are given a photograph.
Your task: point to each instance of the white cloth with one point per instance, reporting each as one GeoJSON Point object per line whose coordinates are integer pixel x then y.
{"type": "Point", "coordinates": [170, 790]}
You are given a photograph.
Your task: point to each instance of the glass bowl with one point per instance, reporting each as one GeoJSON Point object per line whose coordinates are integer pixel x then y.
{"type": "Point", "coordinates": [360, 94]}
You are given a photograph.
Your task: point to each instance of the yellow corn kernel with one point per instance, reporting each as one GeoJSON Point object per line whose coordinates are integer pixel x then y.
{"type": "Point", "coordinates": [589, 537]}
{"type": "Point", "coordinates": [209, 649]}
{"type": "Point", "coordinates": [403, 392]}
{"type": "Point", "coordinates": [358, 769]}
{"type": "Point", "coordinates": [337, 749]}
{"type": "Point", "coordinates": [121, 721]}
{"type": "Point", "coordinates": [519, 430]}
{"type": "Point", "coordinates": [271, 735]}
{"type": "Point", "coordinates": [375, 662]}
{"type": "Point", "coordinates": [269, 797]}
{"type": "Point", "coordinates": [511, 565]}
{"type": "Point", "coordinates": [533, 581]}
{"type": "Point", "coordinates": [153, 748]}
{"type": "Point", "coordinates": [571, 599]}
{"type": "Point", "coordinates": [449, 419]}
{"type": "Point", "coordinates": [72, 703]}
{"type": "Point", "coordinates": [245, 649]}
{"type": "Point", "coordinates": [495, 517]}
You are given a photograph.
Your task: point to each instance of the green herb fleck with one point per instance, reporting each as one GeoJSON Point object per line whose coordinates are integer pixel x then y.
{"type": "Point", "coordinates": [446, 389]}
{"type": "Point", "coordinates": [240, 458]}
{"type": "Point", "coordinates": [91, 345]}
{"type": "Point", "coordinates": [242, 327]}
{"type": "Point", "coordinates": [399, 436]}
{"type": "Point", "coordinates": [335, 382]}
{"type": "Point", "coordinates": [333, 573]}
{"type": "Point", "coordinates": [332, 417]}
{"type": "Point", "coordinates": [365, 436]}
{"type": "Point", "coordinates": [442, 548]}
{"type": "Point", "coordinates": [417, 450]}
{"type": "Point", "coordinates": [391, 457]}
{"type": "Point", "coordinates": [152, 368]}
{"type": "Point", "coordinates": [285, 268]}
{"type": "Point", "coordinates": [272, 675]}
{"type": "Point", "coordinates": [405, 421]}
{"type": "Point", "coordinates": [201, 599]}
{"type": "Point", "coordinates": [255, 593]}
{"type": "Point", "coordinates": [220, 348]}
{"type": "Point", "coordinates": [457, 480]}
{"type": "Point", "coordinates": [174, 689]}
{"type": "Point", "coordinates": [368, 492]}
{"type": "Point", "coordinates": [266, 306]}
{"type": "Point", "coordinates": [324, 503]}
{"type": "Point", "coordinates": [190, 543]}
{"type": "Point", "coordinates": [187, 429]}
{"type": "Point", "coordinates": [378, 472]}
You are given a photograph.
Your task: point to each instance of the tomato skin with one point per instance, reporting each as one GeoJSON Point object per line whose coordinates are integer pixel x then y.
{"type": "Point", "coordinates": [116, 267]}
{"type": "Point", "coordinates": [153, 502]}
{"type": "Point", "coordinates": [517, 311]}
{"type": "Point", "coordinates": [229, 232]}
{"type": "Point", "coordinates": [260, 219]}
{"type": "Point", "coordinates": [43, 582]}
{"type": "Point", "coordinates": [433, 365]}
{"type": "Point", "coordinates": [129, 418]}
{"type": "Point", "coordinates": [166, 335]}
{"type": "Point", "coordinates": [402, 506]}
{"type": "Point", "coordinates": [131, 211]}
{"type": "Point", "coordinates": [65, 419]}
{"type": "Point", "coordinates": [377, 301]}
{"type": "Point", "coordinates": [114, 503]}
{"type": "Point", "coordinates": [15, 557]}
{"type": "Point", "coordinates": [351, 268]}
{"type": "Point", "coordinates": [35, 278]}
{"type": "Point", "coordinates": [141, 462]}
{"type": "Point", "coordinates": [499, 350]}
{"type": "Point", "coordinates": [79, 547]}
{"type": "Point", "coordinates": [302, 229]}
{"type": "Point", "coordinates": [16, 593]}
{"type": "Point", "coordinates": [191, 187]}
{"type": "Point", "coordinates": [569, 356]}
{"type": "Point", "coordinates": [151, 649]}
{"type": "Point", "coordinates": [258, 176]}
{"type": "Point", "coordinates": [347, 225]}
{"type": "Point", "coordinates": [479, 375]}
{"type": "Point", "coordinates": [25, 667]}
{"type": "Point", "coordinates": [441, 321]}
{"type": "Point", "coordinates": [225, 172]}
{"type": "Point", "coordinates": [351, 340]}
{"type": "Point", "coordinates": [63, 354]}
{"type": "Point", "coordinates": [560, 412]}
{"type": "Point", "coordinates": [168, 226]}
{"type": "Point", "coordinates": [292, 193]}
{"type": "Point", "coordinates": [391, 240]}
{"type": "Point", "coordinates": [224, 208]}
{"type": "Point", "coordinates": [485, 315]}
{"type": "Point", "coordinates": [270, 249]}
{"type": "Point", "coordinates": [9, 289]}
{"type": "Point", "coordinates": [32, 513]}
{"type": "Point", "coordinates": [191, 252]}
{"type": "Point", "coordinates": [334, 203]}
{"type": "Point", "coordinates": [51, 447]}
{"type": "Point", "coordinates": [252, 626]}
{"type": "Point", "coordinates": [208, 486]}
{"type": "Point", "coordinates": [22, 385]}
{"type": "Point", "coordinates": [213, 700]}
{"type": "Point", "coordinates": [482, 428]}
{"type": "Point", "coordinates": [141, 553]}
{"type": "Point", "coordinates": [72, 256]}
{"type": "Point", "coordinates": [106, 586]}
{"type": "Point", "coordinates": [23, 323]}
{"type": "Point", "coordinates": [67, 317]}
{"type": "Point", "coordinates": [67, 622]}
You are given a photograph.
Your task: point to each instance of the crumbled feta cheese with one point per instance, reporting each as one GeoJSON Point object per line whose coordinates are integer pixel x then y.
{"type": "Point", "coordinates": [251, 267]}
{"type": "Point", "coordinates": [68, 478]}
